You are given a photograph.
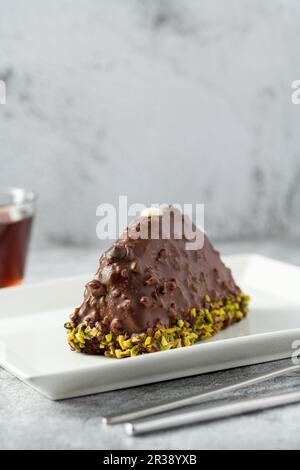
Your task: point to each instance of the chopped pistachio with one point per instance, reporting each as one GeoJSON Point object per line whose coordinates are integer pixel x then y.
{"type": "Point", "coordinates": [148, 341]}
{"type": "Point", "coordinates": [157, 334]}
{"type": "Point", "coordinates": [208, 318]}
{"type": "Point", "coordinates": [94, 332]}
{"type": "Point", "coordinates": [127, 343]}
{"type": "Point", "coordinates": [199, 325]}
{"type": "Point", "coordinates": [239, 315]}
{"type": "Point", "coordinates": [133, 351]}
{"type": "Point", "coordinates": [193, 312]}
{"type": "Point", "coordinates": [108, 337]}
{"type": "Point", "coordinates": [170, 330]}
{"type": "Point", "coordinates": [135, 339]}
{"type": "Point", "coordinates": [121, 339]}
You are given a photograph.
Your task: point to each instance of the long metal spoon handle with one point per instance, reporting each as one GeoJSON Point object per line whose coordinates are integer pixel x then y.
{"type": "Point", "coordinates": [209, 414]}
{"type": "Point", "coordinates": [194, 399]}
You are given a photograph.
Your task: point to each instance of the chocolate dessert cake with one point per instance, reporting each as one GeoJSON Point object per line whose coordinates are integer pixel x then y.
{"type": "Point", "coordinates": [153, 294]}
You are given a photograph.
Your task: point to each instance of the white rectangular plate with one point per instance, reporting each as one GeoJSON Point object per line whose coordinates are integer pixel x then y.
{"type": "Point", "coordinates": [33, 341]}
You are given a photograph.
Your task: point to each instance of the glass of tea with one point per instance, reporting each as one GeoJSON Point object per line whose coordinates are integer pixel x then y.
{"type": "Point", "coordinates": [17, 209]}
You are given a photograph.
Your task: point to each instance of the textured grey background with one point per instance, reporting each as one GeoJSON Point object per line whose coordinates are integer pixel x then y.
{"type": "Point", "coordinates": [162, 100]}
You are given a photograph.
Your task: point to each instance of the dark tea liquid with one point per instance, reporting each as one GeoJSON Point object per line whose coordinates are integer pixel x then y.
{"type": "Point", "coordinates": [14, 239]}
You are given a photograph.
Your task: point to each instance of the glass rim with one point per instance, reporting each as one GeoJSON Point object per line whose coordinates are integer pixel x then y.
{"type": "Point", "coordinates": [19, 197]}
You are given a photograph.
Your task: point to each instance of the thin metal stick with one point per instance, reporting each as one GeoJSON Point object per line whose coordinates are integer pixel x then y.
{"type": "Point", "coordinates": [211, 413]}
{"type": "Point", "coordinates": [192, 400]}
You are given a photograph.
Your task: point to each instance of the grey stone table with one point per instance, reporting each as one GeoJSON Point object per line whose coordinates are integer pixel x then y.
{"type": "Point", "coordinates": [30, 421]}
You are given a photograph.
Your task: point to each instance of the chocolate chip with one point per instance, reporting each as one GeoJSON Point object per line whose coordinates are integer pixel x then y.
{"type": "Point", "coordinates": [124, 273]}
{"type": "Point", "coordinates": [106, 274]}
{"type": "Point", "coordinates": [154, 295]}
{"type": "Point", "coordinates": [125, 304]}
{"type": "Point", "coordinates": [149, 331]}
{"type": "Point", "coordinates": [115, 293]}
{"type": "Point", "coordinates": [116, 253]}
{"type": "Point", "coordinates": [172, 313]}
{"type": "Point", "coordinates": [134, 267]}
{"type": "Point", "coordinates": [171, 284]}
{"type": "Point", "coordinates": [93, 301]}
{"type": "Point", "coordinates": [91, 318]}
{"type": "Point", "coordinates": [162, 253]}
{"type": "Point", "coordinates": [95, 288]}
{"type": "Point", "coordinates": [116, 326]}
{"type": "Point", "coordinates": [145, 301]}
{"type": "Point", "coordinates": [172, 310]}
{"type": "Point", "coordinates": [163, 289]}
{"type": "Point", "coordinates": [151, 281]}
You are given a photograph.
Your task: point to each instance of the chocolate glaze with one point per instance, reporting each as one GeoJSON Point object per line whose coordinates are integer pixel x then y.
{"type": "Point", "coordinates": [141, 282]}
